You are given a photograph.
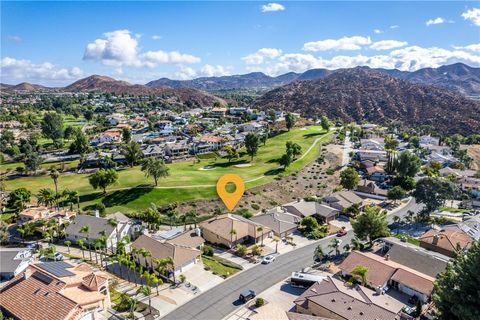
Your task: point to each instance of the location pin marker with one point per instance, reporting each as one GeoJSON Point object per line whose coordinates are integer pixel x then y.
{"type": "Point", "coordinates": [230, 199]}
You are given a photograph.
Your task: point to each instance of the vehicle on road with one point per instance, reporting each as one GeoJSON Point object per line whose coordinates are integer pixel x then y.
{"type": "Point", "coordinates": [341, 233]}
{"type": "Point", "coordinates": [304, 280]}
{"type": "Point", "coordinates": [58, 256]}
{"type": "Point", "coordinates": [268, 259]}
{"type": "Point", "coordinates": [247, 295]}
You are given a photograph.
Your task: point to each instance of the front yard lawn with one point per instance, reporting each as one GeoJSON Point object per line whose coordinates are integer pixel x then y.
{"type": "Point", "coordinates": [410, 239]}
{"type": "Point", "coordinates": [220, 266]}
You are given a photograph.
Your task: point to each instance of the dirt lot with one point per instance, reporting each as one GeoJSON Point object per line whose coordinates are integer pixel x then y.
{"type": "Point", "coordinates": [474, 151]}
{"type": "Point", "coordinates": [312, 180]}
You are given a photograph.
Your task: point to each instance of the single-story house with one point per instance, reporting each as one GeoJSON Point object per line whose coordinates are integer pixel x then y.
{"type": "Point", "coordinates": [333, 299]}
{"type": "Point", "coordinates": [447, 241]}
{"type": "Point", "coordinates": [370, 187]}
{"type": "Point", "coordinates": [31, 214]}
{"type": "Point", "coordinates": [457, 172]}
{"type": "Point", "coordinates": [376, 173]}
{"type": "Point", "coordinates": [343, 199]}
{"type": "Point", "coordinates": [184, 257]}
{"type": "Point", "coordinates": [280, 222]}
{"type": "Point", "coordinates": [230, 229]}
{"type": "Point", "coordinates": [372, 144]}
{"type": "Point", "coordinates": [179, 236]}
{"type": "Point", "coordinates": [429, 140]}
{"type": "Point", "coordinates": [373, 155]}
{"type": "Point", "coordinates": [304, 209]}
{"type": "Point", "coordinates": [384, 272]}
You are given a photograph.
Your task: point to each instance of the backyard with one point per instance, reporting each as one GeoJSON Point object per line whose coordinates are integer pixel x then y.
{"type": "Point", "coordinates": [187, 180]}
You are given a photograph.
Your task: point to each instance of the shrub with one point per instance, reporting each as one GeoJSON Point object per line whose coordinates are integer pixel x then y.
{"type": "Point", "coordinates": [259, 302]}
{"type": "Point", "coordinates": [330, 171]}
{"type": "Point", "coordinates": [256, 250]}
{"type": "Point", "coordinates": [208, 251]}
{"type": "Point", "coordinates": [241, 250]}
{"type": "Point", "coordinates": [101, 209]}
{"type": "Point", "coordinates": [255, 206]}
{"type": "Point", "coordinates": [182, 278]}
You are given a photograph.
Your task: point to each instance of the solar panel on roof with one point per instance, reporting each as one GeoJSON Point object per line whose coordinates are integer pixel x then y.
{"type": "Point", "coordinates": [57, 268]}
{"type": "Point", "coordinates": [42, 277]}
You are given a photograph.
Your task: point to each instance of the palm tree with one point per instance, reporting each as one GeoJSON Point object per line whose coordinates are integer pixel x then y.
{"type": "Point", "coordinates": [335, 244]}
{"type": "Point", "coordinates": [397, 220]}
{"type": "Point", "coordinates": [146, 291]}
{"type": "Point", "coordinates": [145, 253]}
{"type": "Point", "coordinates": [318, 253]}
{"type": "Point", "coordinates": [192, 214]}
{"type": "Point", "coordinates": [163, 266]}
{"type": "Point", "coordinates": [68, 243]}
{"type": "Point", "coordinates": [277, 240]}
{"type": "Point", "coordinates": [360, 272]}
{"type": "Point", "coordinates": [71, 197]}
{"type": "Point", "coordinates": [357, 244]}
{"type": "Point", "coordinates": [154, 280]}
{"type": "Point", "coordinates": [155, 168]}
{"type": "Point", "coordinates": [46, 197]}
{"type": "Point", "coordinates": [183, 219]}
{"type": "Point", "coordinates": [232, 233]}
{"type": "Point", "coordinates": [260, 229]}
{"type": "Point", "coordinates": [86, 230]}
{"type": "Point", "coordinates": [54, 175]}
{"type": "Point", "coordinates": [81, 244]}
{"type": "Point", "coordinates": [172, 215]}
{"type": "Point", "coordinates": [114, 223]}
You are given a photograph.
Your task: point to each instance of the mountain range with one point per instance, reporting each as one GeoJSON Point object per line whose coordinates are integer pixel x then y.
{"type": "Point", "coordinates": [457, 77]}
{"type": "Point", "coordinates": [361, 94]}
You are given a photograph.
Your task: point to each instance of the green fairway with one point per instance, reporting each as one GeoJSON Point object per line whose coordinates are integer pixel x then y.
{"type": "Point", "coordinates": [187, 180]}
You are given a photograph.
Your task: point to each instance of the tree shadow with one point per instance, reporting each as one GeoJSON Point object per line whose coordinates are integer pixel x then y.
{"type": "Point", "coordinates": [309, 135]}
{"type": "Point", "coordinates": [273, 172]}
{"type": "Point", "coordinates": [121, 197]}
{"type": "Point", "coordinates": [90, 197]}
{"type": "Point", "coordinates": [228, 164]}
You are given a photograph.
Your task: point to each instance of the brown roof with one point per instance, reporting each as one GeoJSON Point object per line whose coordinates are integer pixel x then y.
{"type": "Point", "coordinates": [224, 224]}
{"type": "Point", "coordinates": [161, 249]}
{"type": "Point", "coordinates": [345, 302]}
{"type": "Point", "coordinates": [381, 270]}
{"type": "Point", "coordinates": [187, 239]}
{"type": "Point", "coordinates": [447, 238]}
{"type": "Point", "coordinates": [300, 316]}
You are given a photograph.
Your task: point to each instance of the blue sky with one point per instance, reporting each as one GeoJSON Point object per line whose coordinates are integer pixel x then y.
{"type": "Point", "coordinates": [55, 43]}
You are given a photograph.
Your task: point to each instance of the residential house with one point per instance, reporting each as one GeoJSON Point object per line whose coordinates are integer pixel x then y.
{"type": "Point", "coordinates": [376, 173]}
{"type": "Point", "coordinates": [442, 154]}
{"type": "Point", "coordinates": [97, 227]}
{"type": "Point", "coordinates": [429, 140]}
{"type": "Point", "coordinates": [115, 119]}
{"type": "Point", "coordinates": [237, 111]}
{"type": "Point", "coordinates": [218, 112]}
{"type": "Point", "coordinates": [304, 209]}
{"type": "Point", "coordinates": [377, 144]}
{"type": "Point", "coordinates": [179, 236]}
{"type": "Point", "coordinates": [184, 256]}
{"type": "Point", "coordinates": [447, 241]}
{"type": "Point", "coordinates": [333, 299]}
{"type": "Point", "coordinates": [281, 223]}
{"type": "Point", "coordinates": [109, 136]}
{"type": "Point", "coordinates": [153, 150]}
{"type": "Point", "coordinates": [471, 185]}
{"type": "Point", "coordinates": [373, 155]}
{"type": "Point", "coordinates": [215, 142]}
{"type": "Point", "coordinates": [457, 172]}
{"type": "Point", "coordinates": [56, 291]}
{"type": "Point", "coordinates": [252, 126]}
{"type": "Point", "coordinates": [383, 272]}
{"type": "Point", "coordinates": [32, 214]}
{"type": "Point", "coordinates": [343, 199]}
{"type": "Point", "coordinates": [13, 261]}
{"type": "Point", "coordinates": [230, 230]}
{"type": "Point", "coordinates": [177, 150]}
{"type": "Point", "coordinates": [368, 187]}
{"type": "Point", "coordinates": [471, 226]}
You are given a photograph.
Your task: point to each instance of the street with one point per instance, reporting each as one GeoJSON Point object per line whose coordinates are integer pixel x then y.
{"type": "Point", "coordinates": [221, 300]}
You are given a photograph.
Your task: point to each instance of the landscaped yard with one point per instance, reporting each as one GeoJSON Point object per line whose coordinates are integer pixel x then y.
{"type": "Point", "coordinates": [220, 266]}
{"type": "Point", "coordinates": [410, 239]}
{"type": "Point", "coordinates": [187, 180]}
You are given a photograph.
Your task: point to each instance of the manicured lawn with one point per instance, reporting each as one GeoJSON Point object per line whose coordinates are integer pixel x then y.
{"type": "Point", "coordinates": [220, 266]}
{"type": "Point", "coordinates": [410, 240]}
{"type": "Point", "coordinates": [47, 165]}
{"type": "Point", "coordinates": [456, 210]}
{"type": "Point", "coordinates": [187, 181]}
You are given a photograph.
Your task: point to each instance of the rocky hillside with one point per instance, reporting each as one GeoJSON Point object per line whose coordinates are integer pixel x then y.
{"type": "Point", "coordinates": [24, 86]}
{"type": "Point", "coordinates": [457, 77]}
{"type": "Point", "coordinates": [363, 94]}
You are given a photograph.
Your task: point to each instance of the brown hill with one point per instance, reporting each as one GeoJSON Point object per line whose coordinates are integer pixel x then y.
{"type": "Point", "coordinates": [362, 94]}
{"type": "Point", "coordinates": [24, 86]}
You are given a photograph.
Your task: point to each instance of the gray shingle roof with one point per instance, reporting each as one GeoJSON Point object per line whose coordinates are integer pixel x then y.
{"type": "Point", "coordinates": [418, 260]}
{"type": "Point", "coordinates": [97, 225]}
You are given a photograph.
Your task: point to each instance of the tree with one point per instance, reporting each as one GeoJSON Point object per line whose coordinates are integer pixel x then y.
{"type": "Point", "coordinates": [18, 198]}
{"type": "Point", "coordinates": [414, 141]}
{"type": "Point", "coordinates": [52, 126]}
{"type": "Point", "coordinates": [396, 193]}
{"type": "Point", "coordinates": [46, 197]}
{"type": "Point", "coordinates": [318, 254]}
{"type": "Point", "coordinates": [391, 143]}
{"type": "Point", "coordinates": [79, 144]}
{"type": "Point", "coordinates": [232, 153]}
{"type": "Point", "coordinates": [286, 160]}
{"type": "Point", "coordinates": [433, 192]}
{"type": "Point", "coordinates": [309, 223]}
{"type": "Point", "coordinates": [54, 174]}
{"type": "Point", "coordinates": [407, 164]}
{"type": "Point", "coordinates": [407, 183]}
{"type": "Point", "coordinates": [86, 230]}
{"type": "Point", "coordinates": [349, 178]}
{"type": "Point", "coordinates": [241, 250]}
{"type": "Point", "coordinates": [68, 243]}
{"type": "Point", "coordinates": [4, 234]}
{"type": "Point", "coordinates": [335, 245]}
{"type": "Point", "coordinates": [251, 144]}
{"type": "Point", "coordinates": [126, 135]}
{"type": "Point", "coordinates": [103, 178]}
{"type": "Point", "coordinates": [289, 121]}
{"type": "Point", "coordinates": [325, 123]}
{"type": "Point", "coordinates": [81, 244]}
{"type": "Point", "coordinates": [371, 224]}
{"type": "Point", "coordinates": [455, 292]}
{"type": "Point", "coordinates": [32, 162]}
{"type": "Point", "coordinates": [155, 168]}
{"type": "Point", "coordinates": [146, 291]}
{"type": "Point", "coordinates": [360, 272]}
{"type": "Point", "coordinates": [193, 215]}
{"type": "Point", "coordinates": [132, 152]}
{"type": "Point", "coordinates": [293, 148]}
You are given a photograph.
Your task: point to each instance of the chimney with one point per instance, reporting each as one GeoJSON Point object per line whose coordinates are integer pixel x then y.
{"type": "Point", "coordinates": [387, 257]}
{"type": "Point", "coordinates": [97, 214]}
{"type": "Point", "coordinates": [27, 273]}
{"type": "Point", "coordinates": [435, 239]}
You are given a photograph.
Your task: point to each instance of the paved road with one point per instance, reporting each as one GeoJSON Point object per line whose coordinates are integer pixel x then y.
{"type": "Point", "coordinates": [221, 300]}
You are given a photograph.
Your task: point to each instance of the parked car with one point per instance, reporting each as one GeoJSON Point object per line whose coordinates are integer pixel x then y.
{"type": "Point", "coordinates": [247, 295]}
{"type": "Point", "coordinates": [58, 256]}
{"type": "Point", "coordinates": [341, 233]}
{"type": "Point", "coordinates": [268, 259]}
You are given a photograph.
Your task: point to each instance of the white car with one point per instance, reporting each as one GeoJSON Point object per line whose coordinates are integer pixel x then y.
{"type": "Point", "coordinates": [268, 259]}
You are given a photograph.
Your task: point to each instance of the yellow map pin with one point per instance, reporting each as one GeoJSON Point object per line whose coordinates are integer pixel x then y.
{"type": "Point", "coordinates": [230, 199]}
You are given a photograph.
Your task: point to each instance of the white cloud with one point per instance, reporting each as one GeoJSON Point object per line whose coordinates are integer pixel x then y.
{"type": "Point", "coordinates": [19, 70]}
{"type": "Point", "coordinates": [15, 39]}
{"type": "Point", "coordinates": [214, 71]}
{"type": "Point", "coordinates": [119, 48]}
{"type": "Point", "coordinates": [407, 59]}
{"type": "Point", "coordinates": [345, 43]}
{"type": "Point", "coordinates": [394, 26]}
{"type": "Point", "coordinates": [272, 7]}
{"type": "Point", "coordinates": [261, 55]}
{"type": "Point", "coordinates": [438, 20]}
{"type": "Point", "coordinates": [472, 15]}
{"type": "Point", "coordinates": [156, 37]}
{"type": "Point", "coordinates": [388, 44]}
{"type": "Point", "coordinates": [470, 47]}
{"type": "Point", "coordinates": [377, 31]}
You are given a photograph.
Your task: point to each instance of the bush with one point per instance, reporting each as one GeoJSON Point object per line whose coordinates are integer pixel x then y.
{"type": "Point", "coordinates": [259, 302]}
{"type": "Point", "coordinates": [256, 250]}
{"type": "Point", "coordinates": [255, 206]}
{"type": "Point", "coordinates": [330, 171]}
{"type": "Point", "coordinates": [101, 209]}
{"type": "Point", "coordinates": [208, 251]}
{"type": "Point", "coordinates": [244, 213]}
{"type": "Point", "coordinates": [241, 250]}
